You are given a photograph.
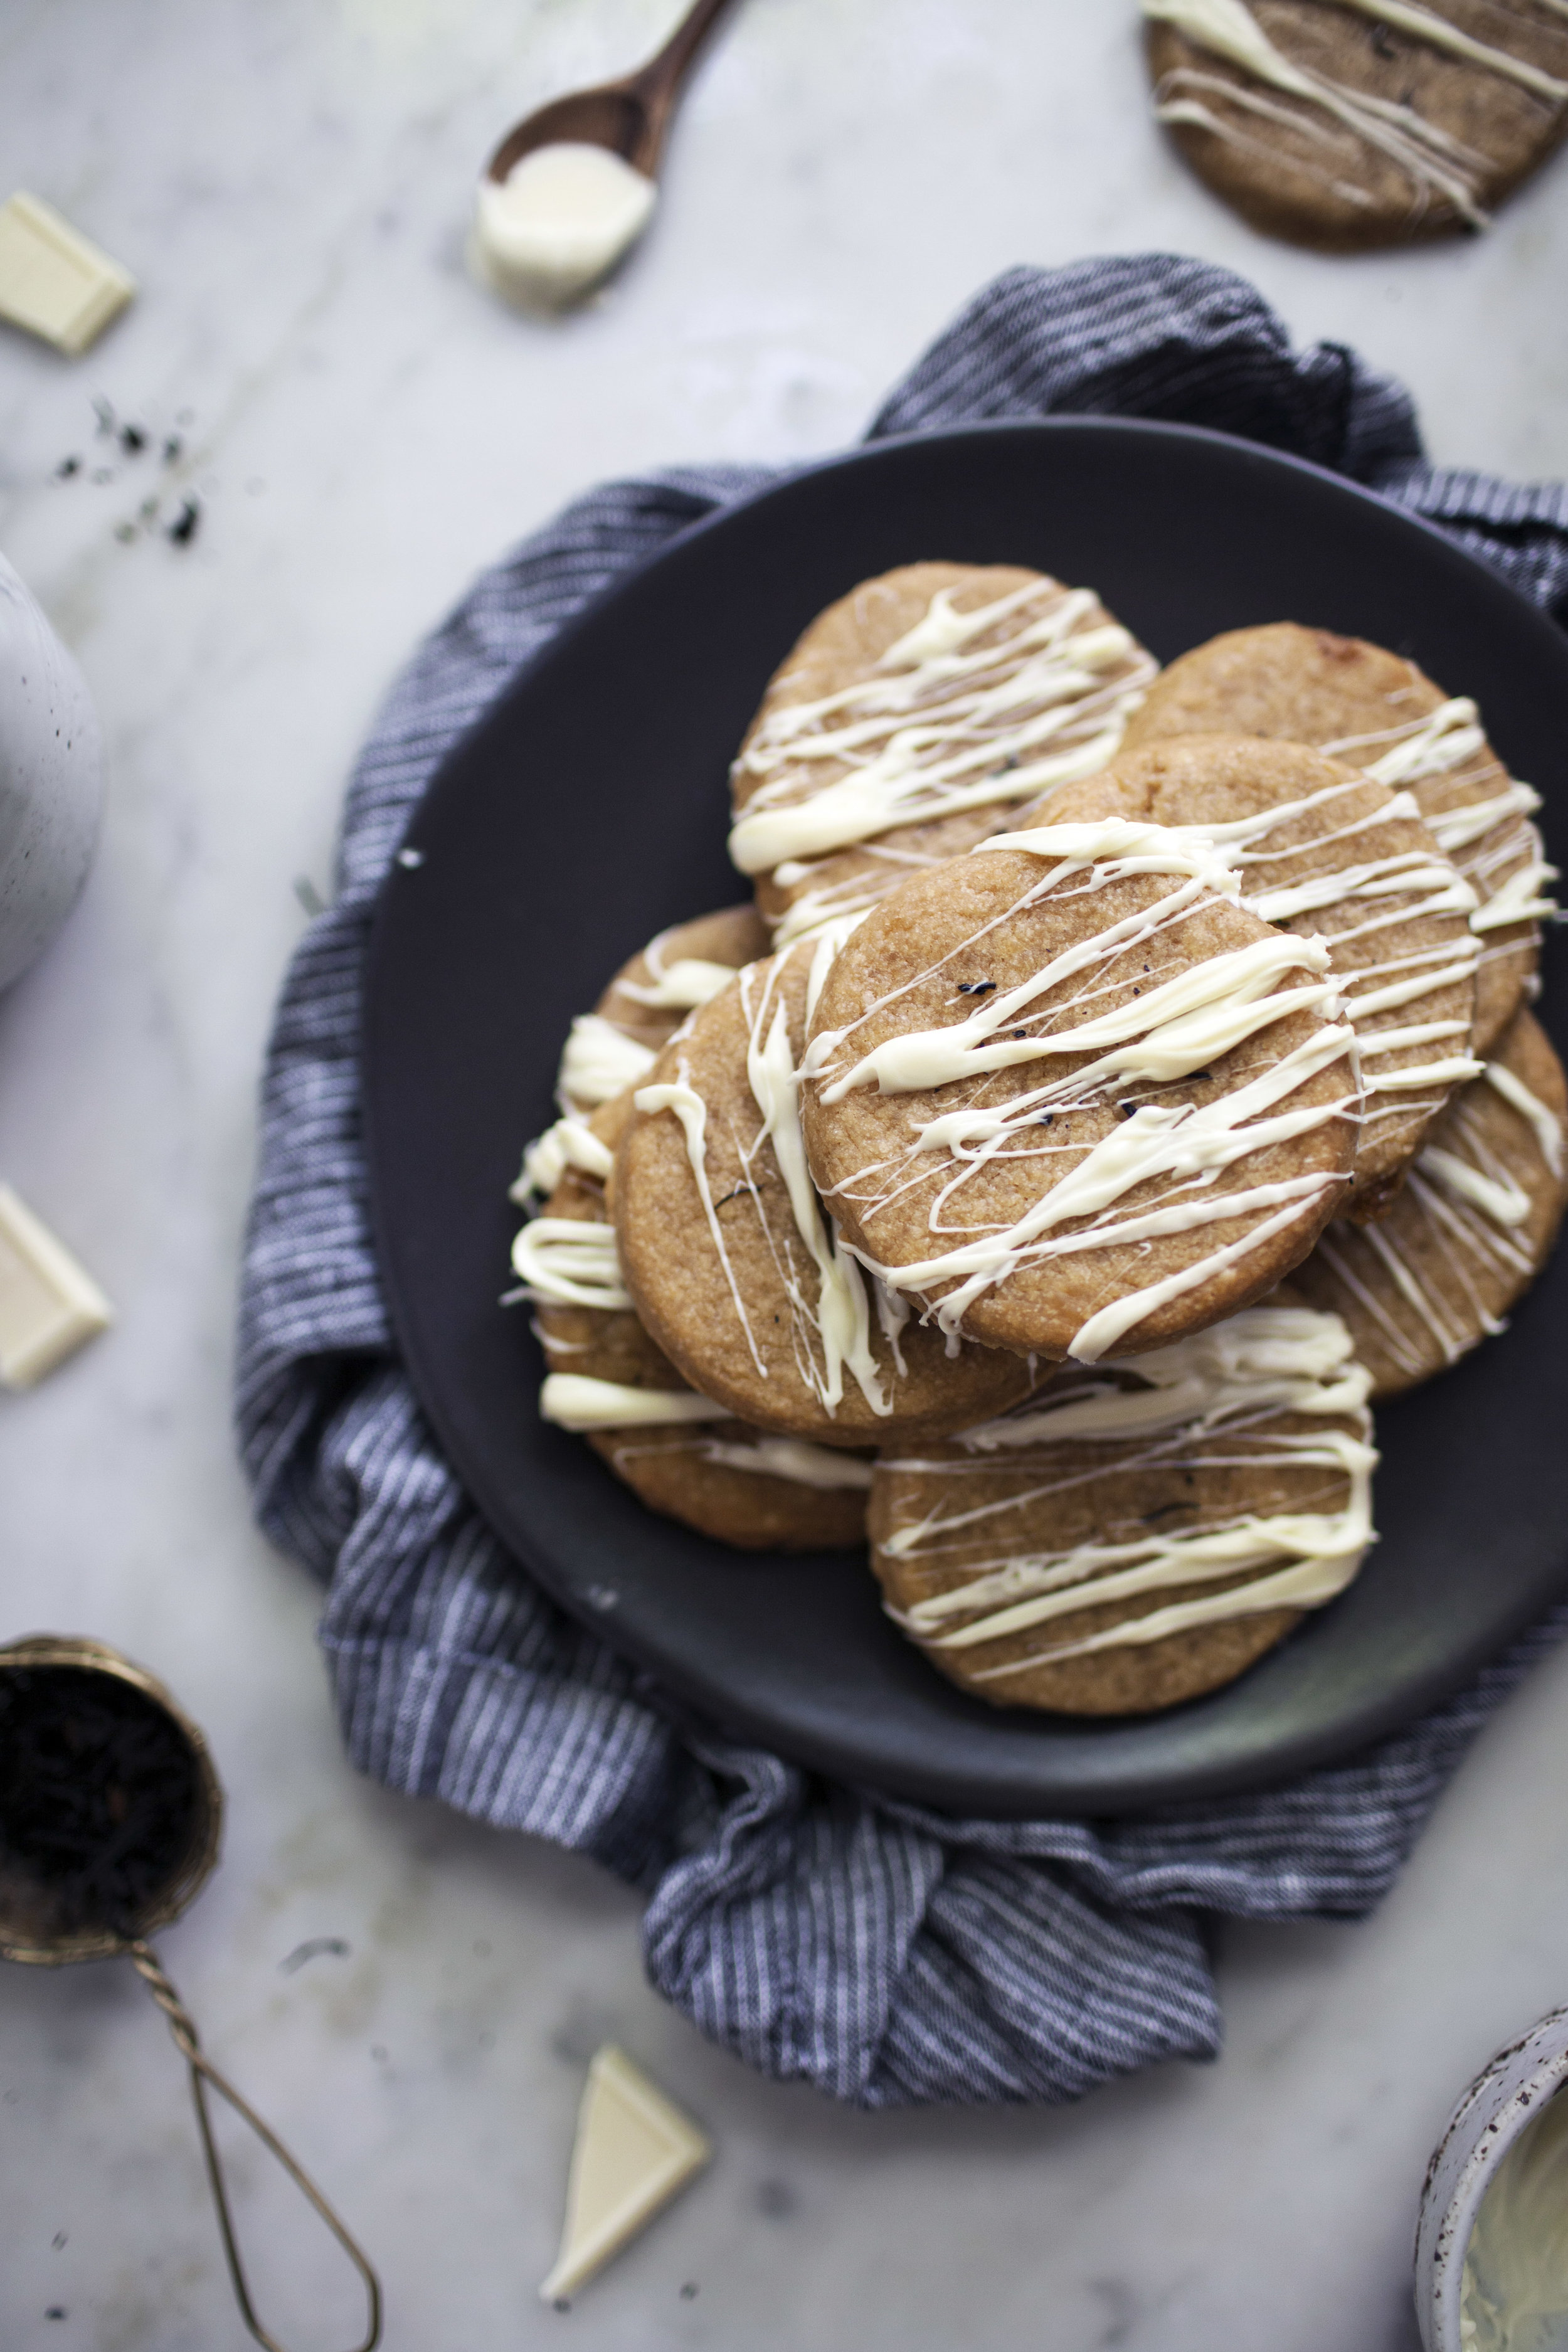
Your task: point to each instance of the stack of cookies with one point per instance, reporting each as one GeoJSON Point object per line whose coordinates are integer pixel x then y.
{"type": "Point", "coordinates": [1122, 1079]}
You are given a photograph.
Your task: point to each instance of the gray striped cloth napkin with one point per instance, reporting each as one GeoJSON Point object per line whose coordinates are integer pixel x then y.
{"type": "Point", "coordinates": [888, 1954]}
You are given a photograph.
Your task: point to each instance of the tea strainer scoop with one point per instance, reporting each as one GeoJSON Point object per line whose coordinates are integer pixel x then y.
{"type": "Point", "coordinates": [109, 1818]}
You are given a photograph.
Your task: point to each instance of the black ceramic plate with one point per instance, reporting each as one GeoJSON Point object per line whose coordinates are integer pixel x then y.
{"type": "Point", "coordinates": [589, 809]}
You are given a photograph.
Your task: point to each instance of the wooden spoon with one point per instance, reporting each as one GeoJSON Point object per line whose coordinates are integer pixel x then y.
{"type": "Point", "coordinates": [631, 117]}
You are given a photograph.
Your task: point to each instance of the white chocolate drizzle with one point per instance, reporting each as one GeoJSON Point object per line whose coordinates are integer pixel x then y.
{"type": "Point", "coordinates": [1180, 1026]}
{"type": "Point", "coordinates": [825, 1467]}
{"type": "Point", "coordinates": [687, 982]}
{"type": "Point", "coordinates": [852, 894]}
{"type": "Point", "coordinates": [1174, 1031]}
{"type": "Point", "coordinates": [570, 1143]}
{"type": "Point", "coordinates": [1544, 1124]}
{"type": "Point", "coordinates": [841, 1314]}
{"type": "Point", "coordinates": [1462, 1209]}
{"type": "Point", "coordinates": [1436, 164]}
{"type": "Point", "coordinates": [570, 1262]}
{"type": "Point", "coordinates": [1211, 1399]}
{"type": "Point", "coordinates": [944, 724]}
{"type": "Point", "coordinates": [1427, 25]}
{"type": "Point", "coordinates": [1500, 1198]}
{"type": "Point", "coordinates": [1378, 893]}
{"type": "Point", "coordinates": [1493, 831]}
{"type": "Point", "coordinates": [831, 1296]}
{"type": "Point", "coordinates": [681, 1096]}
{"type": "Point", "coordinates": [572, 1401]}
{"type": "Point", "coordinates": [600, 1062]}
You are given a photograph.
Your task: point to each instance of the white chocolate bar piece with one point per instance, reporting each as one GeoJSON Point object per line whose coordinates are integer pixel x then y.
{"type": "Point", "coordinates": [53, 280]}
{"type": "Point", "coordinates": [48, 1305]}
{"type": "Point", "coordinates": [634, 2150]}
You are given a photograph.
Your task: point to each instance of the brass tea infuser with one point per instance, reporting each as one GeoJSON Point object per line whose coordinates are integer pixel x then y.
{"type": "Point", "coordinates": [109, 1817]}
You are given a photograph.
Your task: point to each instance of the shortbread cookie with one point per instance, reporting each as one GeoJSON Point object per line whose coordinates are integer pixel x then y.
{"type": "Point", "coordinates": [735, 1268]}
{"type": "Point", "coordinates": [1072, 1097]}
{"type": "Point", "coordinates": [1133, 1538]}
{"type": "Point", "coordinates": [1470, 1231]}
{"type": "Point", "coordinates": [681, 1455]}
{"type": "Point", "coordinates": [909, 717]}
{"type": "Point", "coordinates": [1376, 711]}
{"type": "Point", "coordinates": [1324, 852]}
{"type": "Point", "coordinates": [1369, 124]}
{"type": "Point", "coordinates": [615, 1045]}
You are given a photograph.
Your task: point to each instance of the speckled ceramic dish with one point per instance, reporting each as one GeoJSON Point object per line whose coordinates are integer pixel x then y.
{"type": "Point", "coordinates": [1509, 2093]}
{"type": "Point", "coordinates": [590, 808]}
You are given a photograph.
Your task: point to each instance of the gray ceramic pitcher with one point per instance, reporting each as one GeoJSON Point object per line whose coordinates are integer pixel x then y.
{"type": "Point", "coordinates": [51, 779]}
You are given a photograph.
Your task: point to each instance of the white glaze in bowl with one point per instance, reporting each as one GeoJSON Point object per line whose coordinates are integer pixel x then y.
{"type": "Point", "coordinates": [1509, 2093]}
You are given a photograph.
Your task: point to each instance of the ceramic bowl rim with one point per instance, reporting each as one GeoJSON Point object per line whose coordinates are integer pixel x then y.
{"type": "Point", "coordinates": [1509, 2093]}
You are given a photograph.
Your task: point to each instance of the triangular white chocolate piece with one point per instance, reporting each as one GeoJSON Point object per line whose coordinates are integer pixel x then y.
{"type": "Point", "coordinates": [49, 1304]}
{"type": "Point", "coordinates": [634, 2150]}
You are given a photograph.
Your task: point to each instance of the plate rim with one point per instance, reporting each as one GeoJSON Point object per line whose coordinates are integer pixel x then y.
{"type": "Point", "coordinates": [1372, 1722]}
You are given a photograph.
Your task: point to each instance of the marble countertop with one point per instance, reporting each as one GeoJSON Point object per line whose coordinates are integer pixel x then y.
{"type": "Point", "coordinates": [361, 430]}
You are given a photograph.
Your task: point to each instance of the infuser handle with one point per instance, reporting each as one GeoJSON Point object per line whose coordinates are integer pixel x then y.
{"type": "Point", "coordinates": [182, 2026]}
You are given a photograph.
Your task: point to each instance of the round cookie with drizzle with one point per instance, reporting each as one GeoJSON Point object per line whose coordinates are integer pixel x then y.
{"type": "Point", "coordinates": [608, 1380]}
{"type": "Point", "coordinates": [1136, 1537]}
{"type": "Point", "coordinates": [1470, 1231]}
{"type": "Point", "coordinates": [908, 717]}
{"type": "Point", "coordinates": [1068, 1096]}
{"type": "Point", "coordinates": [1375, 711]}
{"type": "Point", "coordinates": [736, 1271]}
{"type": "Point", "coordinates": [1351, 124]}
{"type": "Point", "coordinates": [1326, 852]}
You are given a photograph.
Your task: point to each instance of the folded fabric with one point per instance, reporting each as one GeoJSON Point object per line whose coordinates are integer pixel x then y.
{"type": "Point", "coordinates": [879, 1949]}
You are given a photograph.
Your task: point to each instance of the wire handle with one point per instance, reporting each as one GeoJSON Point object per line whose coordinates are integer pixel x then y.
{"type": "Point", "coordinates": [182, 2026]}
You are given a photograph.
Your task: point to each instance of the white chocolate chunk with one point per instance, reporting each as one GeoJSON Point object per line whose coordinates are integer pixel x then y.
{"type": "Point", "coordinates": [634, 2150]}
{"type": "Point", "coordinates": [48, 1305]}
{"type": "Point", "coordinates": [53, 280]}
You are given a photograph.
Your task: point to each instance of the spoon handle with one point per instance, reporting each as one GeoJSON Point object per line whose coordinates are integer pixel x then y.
{"type": "Point", "coordinates": [656, 82]}
{"type": "Point", "coordinates": [182, 2026]}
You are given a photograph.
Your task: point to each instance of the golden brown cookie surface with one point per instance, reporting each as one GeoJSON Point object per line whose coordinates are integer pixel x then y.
{"type": "Point", "coordinates": [735, 1484]}
{"type": "Point", "coordinates": [909, 717]}
{"type": "Point", "coordinates": [1076, 1097]}
{"type": "Point", "coordinates": [1344, 127]}
{"type": "Point", "coordinates": [1137, 1537]}
{"type": "Point", "coordinates": [1376, 711]}
{"type": "Point", "coordinates": [1470, 1231]}
{"type": "Point", "coordinates": [1323, 851]}
{"type": "Point", "coordinates": [736, 1271]}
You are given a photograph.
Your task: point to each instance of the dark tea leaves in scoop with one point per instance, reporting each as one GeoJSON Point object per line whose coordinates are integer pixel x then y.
{"type": "Point", "coordinates": [98, 1796]}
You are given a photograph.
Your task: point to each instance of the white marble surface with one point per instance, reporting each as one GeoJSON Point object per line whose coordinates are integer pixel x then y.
{"type": "Point", "coordinates": [287, 178]}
